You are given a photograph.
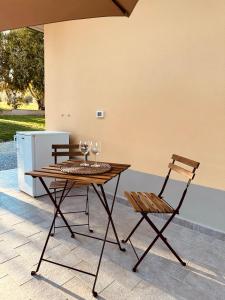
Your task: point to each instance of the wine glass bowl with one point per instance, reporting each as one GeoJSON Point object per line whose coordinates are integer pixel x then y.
{"type": "Point", "coordinates": [84, 147]}
{"type": "Point", "coordinates": [96, 150]}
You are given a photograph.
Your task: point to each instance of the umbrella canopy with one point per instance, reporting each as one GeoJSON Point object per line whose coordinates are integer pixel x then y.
{"type": "Point", "coordinates": [23, 13]}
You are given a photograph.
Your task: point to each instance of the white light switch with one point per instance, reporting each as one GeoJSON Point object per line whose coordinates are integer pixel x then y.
{"type": "Point", "coordinates": [100, 114]}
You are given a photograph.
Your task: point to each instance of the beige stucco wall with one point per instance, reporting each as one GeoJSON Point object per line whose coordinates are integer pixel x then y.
{"type": "Point", "coordinates": [159, 76]}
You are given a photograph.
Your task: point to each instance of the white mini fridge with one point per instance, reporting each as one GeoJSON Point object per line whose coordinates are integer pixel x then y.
{"type": "Point", "coordinates": [34, 151]}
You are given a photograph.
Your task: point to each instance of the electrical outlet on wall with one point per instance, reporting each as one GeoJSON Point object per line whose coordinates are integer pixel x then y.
{"type": "Point", "coordinates": [100, 114]}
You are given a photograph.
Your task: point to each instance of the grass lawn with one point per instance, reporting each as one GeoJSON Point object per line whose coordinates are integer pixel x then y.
{"type": "Point", "coordinates": [10, 124]}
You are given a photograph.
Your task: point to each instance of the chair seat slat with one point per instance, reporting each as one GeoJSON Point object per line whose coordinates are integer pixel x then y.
{"type": "Point", "coordinates": [140, 201]}
{"type": "Point", "coordinates": [132, 202]}
{"type": "Point", "coordinates": [148, 203]}
{"type": "Point", "coordinates": [153, 201]}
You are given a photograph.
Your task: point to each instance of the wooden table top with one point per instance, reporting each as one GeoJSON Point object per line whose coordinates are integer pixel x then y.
{"type": "Point", "coordinates": [53, 171]}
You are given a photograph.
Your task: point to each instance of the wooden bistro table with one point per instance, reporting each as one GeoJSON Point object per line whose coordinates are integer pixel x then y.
{"type": "Point", "coordinates": [97, 182]}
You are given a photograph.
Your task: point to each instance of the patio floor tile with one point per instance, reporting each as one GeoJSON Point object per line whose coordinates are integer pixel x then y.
{"type": "Point", "coordinates": [24, 223]}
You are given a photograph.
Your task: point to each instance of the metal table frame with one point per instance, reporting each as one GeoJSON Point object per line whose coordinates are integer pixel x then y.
{"type": "Point", "coordinates": [109, 210]}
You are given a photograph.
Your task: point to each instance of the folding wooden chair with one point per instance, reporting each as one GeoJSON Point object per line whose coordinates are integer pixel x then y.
{"type": "Point", "coordinates": [146, 203]}
{"type": "Point", "coordinates": [70, 151]}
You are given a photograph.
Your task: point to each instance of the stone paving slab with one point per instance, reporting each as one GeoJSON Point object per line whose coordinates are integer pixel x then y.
{"type": "Point", "coordinates": [8, 158]}
{"type": "Point", "coordinates": [24, 224]}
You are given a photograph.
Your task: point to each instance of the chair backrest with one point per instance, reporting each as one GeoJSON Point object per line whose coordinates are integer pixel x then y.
{"type": "Point", "coordinates": [188, 171]}
{"type": "Point", "coordinates": [67, 150]}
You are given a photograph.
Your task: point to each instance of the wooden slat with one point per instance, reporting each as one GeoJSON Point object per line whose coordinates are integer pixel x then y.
{"type": "Point", "coordinates": [114, 165]}
{"type": "Point", "coordinates": [65, 146]}
{"type": "Point", "coordinates": [116, 168]}
{"type": "Point", "coordinates": [153, 203]}
{"type": "Point", "coordinates": [138, 201]}
{"type": "Point", "coordinates": [53, 171]}
{"type": "Point", "coordinates": [66, 176]}
{"type": "Point", "coordinates": [181, 170]}
{"type": "Point", "coordinates": [58, 184]}
{"type": "Point", "coordinates": [148, 202]}
{"type": "Point", "coordinates": [141, 201]}
{"type": "Point", "coordinates": [161, 205]}
{"type": "Point", "coordinates": [106, 176]}
{"type": "Point", "coordinates": [57, 167]}
{"type": "Point", "coordinates": [186, 161]}
{"type": "Point", "coordinates": [76, 177]}
{"type": "Point", "coordinates": [132, 201]}
{"type": "Point", "coordinates": [68, 153]}
{"type": "Point", "coordinates": [58, 171]}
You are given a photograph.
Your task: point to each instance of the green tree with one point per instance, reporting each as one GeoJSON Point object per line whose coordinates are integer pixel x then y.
{"type": "Point", "coordinates": [22, 65]}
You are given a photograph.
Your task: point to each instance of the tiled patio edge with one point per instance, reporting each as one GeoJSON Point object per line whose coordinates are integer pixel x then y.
{"type": "Point", "coordinates": [181, 221]}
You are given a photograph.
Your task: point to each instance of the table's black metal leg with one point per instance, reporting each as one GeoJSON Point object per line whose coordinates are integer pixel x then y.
{"type": "Point", "coordinates": [109, 212]}
{"type": "Point", "coordinates": [87, 210]}
{"type": "Point", "coordinates": [95, 294]}
{"type": "Point", "coordinates": [46, 243]}
{"type": "Point", "coordinates": [53, 231]}
{"type": "Point", "coordinates": [87, 204]}
{"type": "Point", "coordinates": [110, 220]}
{"type": "Point", "coordinates": [65, 195]}
{"type": "Point", "coordinates": [49, 233]}
{"type": "Point", "coordinates": [55, 204]}
{"type": "Point", "coordinates": [115, 192]}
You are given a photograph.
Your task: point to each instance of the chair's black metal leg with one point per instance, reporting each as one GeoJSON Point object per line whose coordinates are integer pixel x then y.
{"type": "Point", "coordinates": [49, 233]}
{"type": "Point", "coordinates": [152, 243]}
{"type": "Point", "coordinates": [144, 254]}
{"type": "Point", "coordinates": [55, 204]}
{"type": "Point", "coordinates": [164, 240]}
{"type": "Point", "coordinates": [159, 235]}
{"type": "Point", "coordinates": [134, 229]}
{"type": "Point", "coordinates": [174, 253]}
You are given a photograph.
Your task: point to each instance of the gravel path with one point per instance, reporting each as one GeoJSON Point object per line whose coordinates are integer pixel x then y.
{"type": "Point", "coordinates": [8, 155]}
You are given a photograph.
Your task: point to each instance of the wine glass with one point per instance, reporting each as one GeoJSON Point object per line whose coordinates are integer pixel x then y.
{"type": "Point", "coordinates": [96, 150]}
{"type": "Point", "coordinates": [84, 147]}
